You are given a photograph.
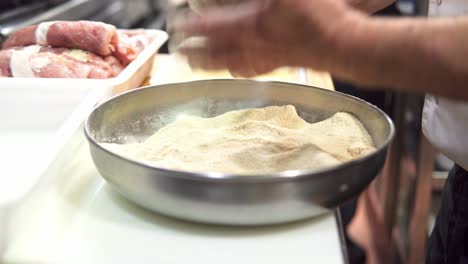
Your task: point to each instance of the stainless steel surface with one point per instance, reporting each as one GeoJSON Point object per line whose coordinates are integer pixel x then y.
{"type": "Point", "coordinates": [70, 10]}
{"type": "Point", "coordinates": [230, 199]}
{"type": "Point", "coordinates": [121, 13]}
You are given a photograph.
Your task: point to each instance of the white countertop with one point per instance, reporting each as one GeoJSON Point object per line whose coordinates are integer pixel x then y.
{"type": "Point", "coordinates": [20, 152]}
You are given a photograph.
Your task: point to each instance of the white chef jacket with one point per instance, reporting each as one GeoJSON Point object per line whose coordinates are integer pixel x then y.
{"type": "Point", "coordinates": [444, 121]}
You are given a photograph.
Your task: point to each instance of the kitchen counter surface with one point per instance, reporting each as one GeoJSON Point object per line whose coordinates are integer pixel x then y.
{"type": "Point", "coordinates": [75, 217]}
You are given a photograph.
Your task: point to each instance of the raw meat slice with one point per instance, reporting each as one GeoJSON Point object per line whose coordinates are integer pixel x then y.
{"type": "Point", "coordinates": [131, 43]}
{"type": "Point", "coordinates": [47, 62]}
{"type": "Point", "coordinates": [96, 37]}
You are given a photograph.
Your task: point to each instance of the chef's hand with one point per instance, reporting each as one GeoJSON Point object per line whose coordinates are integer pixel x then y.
{"type": "Point", "coordinates": [258, 36]}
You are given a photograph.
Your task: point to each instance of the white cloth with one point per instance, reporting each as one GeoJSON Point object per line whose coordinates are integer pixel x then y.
{"type": "Point", "coordinates": [445, 121]}
{"type": "Point", "coordinates": [445, 125]}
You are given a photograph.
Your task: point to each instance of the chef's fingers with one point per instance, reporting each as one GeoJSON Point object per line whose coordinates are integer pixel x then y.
{"type": "Point", "coordinates": [239, 63]}
{"type": "Point", "coordinates": [231, 59]}
{"type": "Point", "coordinates": [207, 57]}
{"type": "Point", "coordinates": [224, 61]}
{"type": "Point", "coordinates": [213, 43]}
{"type": "Point", "coordinates": [221, 21]}
{"type": "Point", "coordinates": [208, 46]}
{"type": "Point", "coordinates": [248, 62]}
{"type": "Point", "coordinates": [202, 62]}
{"type": "Point", "coordinates": [240, 66]}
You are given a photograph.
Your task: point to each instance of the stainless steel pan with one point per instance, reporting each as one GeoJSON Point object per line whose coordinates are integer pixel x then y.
{"type": "Point", "coordinates": [230, 199]}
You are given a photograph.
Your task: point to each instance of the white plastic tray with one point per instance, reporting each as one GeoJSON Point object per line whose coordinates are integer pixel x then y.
{"type": "Point", "coordinates": [27, 152]}
{"type": "Point", "coordinates": [48, 101]}
{"type": "Point", "coordinates": [32, 111]}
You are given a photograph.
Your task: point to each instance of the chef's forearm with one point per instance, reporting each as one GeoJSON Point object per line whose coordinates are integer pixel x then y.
{"type": "Point", "coordinates": [413, 55]}
{"type": "Point", "coordinates": [370, 6]}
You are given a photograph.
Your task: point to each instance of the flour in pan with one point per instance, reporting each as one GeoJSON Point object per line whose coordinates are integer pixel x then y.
{"type": "Point", "coordinates": [252, 141]}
